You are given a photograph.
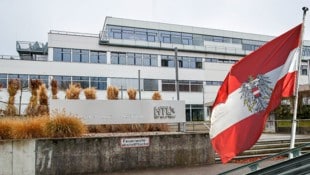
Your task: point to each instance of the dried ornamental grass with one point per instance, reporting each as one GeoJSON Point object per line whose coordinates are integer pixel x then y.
{"type": "Point", "coordinates": [6, 131]}
{"type": "Point", "coordinates": [43, 101]}
{"type": "Point", "coordinates": [73, 92]}
{"type": "Point", "coordinates": [32, 108]}
{"type": "Point", "coordinates": [54, 86]}
{"type": "Point", "coordinates": [63, 125]}
{"type": "Point", "coordinates": [131, 94]}
{"type": "Point", "coordinates": [13, 86]}
{"type": "Point", "coordinates": [90, 93]}
{"type": "Point", "coordinates": [156, 96]}
{"type": "Point", "coordinates": [112, 93]}
{"type": "Point", "coordinates": [30, 127]}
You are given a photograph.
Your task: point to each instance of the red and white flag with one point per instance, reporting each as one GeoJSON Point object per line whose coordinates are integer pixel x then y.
{"type": "Point", "coordinates": [251, 90]}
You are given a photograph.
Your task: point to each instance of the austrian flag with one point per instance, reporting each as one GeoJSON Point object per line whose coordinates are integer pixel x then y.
{"type": "Point", "coordinates": [251, 90]}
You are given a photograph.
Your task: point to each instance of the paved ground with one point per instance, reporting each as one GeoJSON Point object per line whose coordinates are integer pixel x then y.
{"type": "Point", "coordinates": [208, 169]}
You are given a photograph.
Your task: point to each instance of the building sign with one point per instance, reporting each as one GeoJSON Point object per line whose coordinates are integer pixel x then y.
{"type": "Point", "coordinates": [122, 111]}
{"type": "Point", "coordinates": [161, 112]}
{"type": "Point", "coordinates": [135, 142]}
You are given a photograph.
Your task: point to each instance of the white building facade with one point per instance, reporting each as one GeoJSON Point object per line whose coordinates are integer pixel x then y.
{"type": "Point", "coordinates": [127, 51]}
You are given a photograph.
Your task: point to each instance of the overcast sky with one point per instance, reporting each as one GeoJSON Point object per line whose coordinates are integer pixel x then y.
{"type": "Point", "coordinates": [31, 20]}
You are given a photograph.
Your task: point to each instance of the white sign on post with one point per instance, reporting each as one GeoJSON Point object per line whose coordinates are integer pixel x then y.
{"type": "Point", "coordinates": [123, 111]}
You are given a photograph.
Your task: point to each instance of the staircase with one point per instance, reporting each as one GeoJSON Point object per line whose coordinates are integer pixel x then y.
{"type": "Point", "coordinates": [268, 148]}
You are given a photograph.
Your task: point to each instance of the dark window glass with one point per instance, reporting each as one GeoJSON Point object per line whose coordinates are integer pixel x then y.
{"type": "Point", "coordinates": [198, 40]}
{"type": "Point", "coordinates": [184, 85]}
{"type": "Point", "coordinates": [304, 70]}
{"type": "Point", "coordinates": [76, 55]}
{"type": "Point", "coordinates": [138, 59]}
{"type": "Point", "coordinates": [3, 81]}
{"type": "Point", "coordinates": [196, 86]}
{"type": "Point", "coordinates": [187, 39]}
{"type": "Point", "coordinates": [152, 35]}
{"type": "Point", "coordinates": [128, 33]}
{"type": "Point", "coordinates": [99, 83]}
{"type": "Point", "coordinates": [218, 39]}
{"type": "Point", "coordinates": [150, 85]}
{"type": "Point", "coordinates": [165, 37]}
{"type": "Point", "coordinates": [122, 58]}
{"type": "Point", "coordinates": [176, 38]}
{"type": "Point", "coordinates": [61, 54]}
{"type": "Point", "coordinates": [168, 85]}
{"type": "Point", "coordinates": [236, 41]}
{"type": "Point", "coordinates": [146, 60]}
{"type": "Point", "coordinates": [154, 61]}
{"type": "Point", "coordinates": [102, 57]}
{"type": "Point", "coordinates": [130, 58]}
{"type": "Point", "coordinates": [141, 34]}
{"type": "Point", "coordinates": [83, 81]}
{"type": "Point", "coordinates": [57, 54]}
{"type": "Point", "coordinates": [114, 58]}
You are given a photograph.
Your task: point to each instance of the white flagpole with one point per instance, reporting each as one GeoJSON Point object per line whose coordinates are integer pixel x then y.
{"type": "Point", "coordinates": [294, 121]}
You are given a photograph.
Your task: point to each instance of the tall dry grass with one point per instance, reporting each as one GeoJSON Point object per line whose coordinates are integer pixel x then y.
{"type": "Point", "coordinates": [13, 87]}
{"type": "Point", "coordinates": [61, 125]}
{"type": "Point", "coordinates": [132, 93]}
{"type": "Point", "coordinates": [65, 125]}
{"type": "Point", "coordinates": [43, 101]}
{"type": "Point", "coordinates": [6, 129]}
{"type": "Point", "coordinates": [73, 92]}
{"type": "Point", "coordinates": [32, 108]}
{"type": "Point", "coordinates": [112, 93]}
{"type": "Point", "coordinates": [54, 85]}
{"type": "Point", "coordinates": [90, 93]}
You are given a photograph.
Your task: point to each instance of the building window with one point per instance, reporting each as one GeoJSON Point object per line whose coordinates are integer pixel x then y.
{"type": "Point", "coordinates": [81, 56]}
{"type": "Point", "coordinates": [138, 59]}
{"type": "Point", "coordinates": [98, 57]}
{"type": "Point", "coordinates": [194, 112]}
{"type": "Point", "coordinates": [176, 38]}
{"type": "Point", "coordinates": [306, 51]}
{"type": "Point", "coordinates": [140, 34]}
{"type": "Point", "coordinates": [146, 59]}
{"type": "Point", "coordinates": [83, 81]}
{"type": "Point", "coordinates": [99, 83]}
{"type": "Point", "coordinates": [62, 54]}
{"type": "Point", "coordinates": [150, 85]}
{"type": "Point", "coordinates": [118, 58]}
{"type": "Point", "coordinates": [152, 35]}
{"type": "Point", "coordinates": [125, 83]}
{"type": "Point", "coordinates": [304, 70]}
{"type": "Point", "coordinates": [63, 81]}
{"type": "Point", "coordinates": [214, 83]}
{"type": "Point", "coordinates": [167, 61]}
{"type": "Point", "coordinates": [196, 86]}
{"type": "Point", "coordinates": [187, 39]}
{"type": "Point", "coordinates": [168, 85]}
{"type": "Point", "coordinates": [128, 33]}
{"type": "Point", "coordinates": [3, 80]}
{"type": "Point", "coordinates": [184, 85]}
{"type": "Point", "coordinates": [130, 58]}
{"type": "Point", "coordinates": [165, 37]}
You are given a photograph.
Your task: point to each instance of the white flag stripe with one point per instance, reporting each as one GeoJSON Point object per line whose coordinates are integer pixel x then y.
{"type": "Point", "coordinates": [231, 110]}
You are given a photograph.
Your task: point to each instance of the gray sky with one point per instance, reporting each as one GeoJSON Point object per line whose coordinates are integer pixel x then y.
{"type": "Point", "coordinates": [31, 20]}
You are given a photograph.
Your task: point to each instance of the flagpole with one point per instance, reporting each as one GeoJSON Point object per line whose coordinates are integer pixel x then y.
{"type": "Point", "coordinates": [294, 121]}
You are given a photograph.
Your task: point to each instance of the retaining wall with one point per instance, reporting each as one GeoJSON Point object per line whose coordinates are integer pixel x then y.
{"type": "Point", "coordinates": [104, 154]}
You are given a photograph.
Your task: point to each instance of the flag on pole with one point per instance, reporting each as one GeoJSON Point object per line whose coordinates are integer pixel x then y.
{"type": "Point", "coordinates": [251, 90]}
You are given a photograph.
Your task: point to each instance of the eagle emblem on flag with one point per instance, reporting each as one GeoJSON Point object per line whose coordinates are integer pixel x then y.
{"type": "Point", "coordinates": [256, 93]}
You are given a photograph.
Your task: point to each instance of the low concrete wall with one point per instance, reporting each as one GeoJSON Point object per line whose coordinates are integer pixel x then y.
{"type": "Point", "coordinates": [104, 153]}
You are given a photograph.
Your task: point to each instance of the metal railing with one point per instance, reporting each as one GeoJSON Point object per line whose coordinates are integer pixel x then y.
{"type": "Point", "coordinates": [254, 166]}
